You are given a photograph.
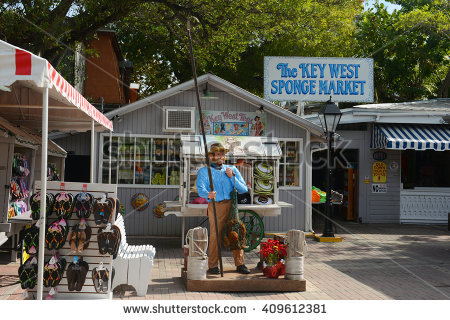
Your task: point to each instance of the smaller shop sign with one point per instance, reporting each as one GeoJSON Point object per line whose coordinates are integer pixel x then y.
{"type": "Point", "coordinates": [379, 188]}
{"type": "Point", "coordinates": [379, 171]}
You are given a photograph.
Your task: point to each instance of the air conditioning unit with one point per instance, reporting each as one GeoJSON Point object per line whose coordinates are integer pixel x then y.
{"type": "Point", "coordinates": [179, 119]}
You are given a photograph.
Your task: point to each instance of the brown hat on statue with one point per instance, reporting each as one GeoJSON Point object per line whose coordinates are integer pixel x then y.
{"type": "Point", "coordinates": [217, 147]}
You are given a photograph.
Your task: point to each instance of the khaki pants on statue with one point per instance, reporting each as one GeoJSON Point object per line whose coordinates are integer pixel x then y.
{"type": "Point", "coordinates": [222, 211]}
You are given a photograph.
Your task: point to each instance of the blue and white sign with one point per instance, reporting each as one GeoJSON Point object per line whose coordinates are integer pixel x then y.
{"type": "Point", "coordinates": [316, 79]}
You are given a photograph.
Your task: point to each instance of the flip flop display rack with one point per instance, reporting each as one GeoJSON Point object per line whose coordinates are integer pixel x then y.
{"type": "Point", "coordinates": [77, 263]}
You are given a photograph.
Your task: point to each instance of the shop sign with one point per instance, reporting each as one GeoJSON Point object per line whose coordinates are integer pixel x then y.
{"type": "Point", "coordinates": [233, 123]}
{"type": "Point", "coordinates": [379, 188]}
{"type": "Point", "coordinates": [316, 79]}
{"type": "Point", "coordinates": [379, 155]}
{"type": "Point", "coordinates": [379, 171]}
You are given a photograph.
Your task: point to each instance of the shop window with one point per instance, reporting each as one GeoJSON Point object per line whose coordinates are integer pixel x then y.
{"type": "Point", "coordinates": [141, 160]}
{"type": "Point", "coordinates": [427, 168]}
{"type": "Point", "coordinates": [290, 163]}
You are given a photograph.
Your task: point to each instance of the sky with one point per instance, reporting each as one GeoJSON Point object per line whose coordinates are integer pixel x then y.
{"type": "Point", "coordinates": [390, 7]}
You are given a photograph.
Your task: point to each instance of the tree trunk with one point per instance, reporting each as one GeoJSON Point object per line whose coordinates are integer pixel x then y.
{"type": "Point", "coordinates": [80, 68]}
{"type": "Point", "coordinates": [444, 88]}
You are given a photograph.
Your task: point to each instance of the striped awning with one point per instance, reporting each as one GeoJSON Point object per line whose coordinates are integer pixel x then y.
{"type": "Point", "coordinates": [410, 136]}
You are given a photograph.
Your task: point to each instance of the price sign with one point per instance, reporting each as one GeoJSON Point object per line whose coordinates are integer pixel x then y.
{"type": "Point", "coordinates": [379, 171]}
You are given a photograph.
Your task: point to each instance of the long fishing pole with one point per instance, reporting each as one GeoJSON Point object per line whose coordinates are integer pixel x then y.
{"type": "Point", "coordinates": [208, 164]}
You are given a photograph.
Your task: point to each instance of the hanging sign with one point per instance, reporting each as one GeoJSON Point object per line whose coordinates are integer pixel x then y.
{"type": "Point", "coordinates": [233, 123]}
{"type": "Point", "coordinates": [379, 188]}
{"type": "Point", "coordinates": [316, 79]}
{"type": "Point", "coordinates": [379, 155]}
{"type": "Point", "coordinates": [379, 171]}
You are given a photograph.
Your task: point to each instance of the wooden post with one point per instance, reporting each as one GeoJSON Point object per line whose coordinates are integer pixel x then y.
{"type": "Point", "coordinates": [296, 243]}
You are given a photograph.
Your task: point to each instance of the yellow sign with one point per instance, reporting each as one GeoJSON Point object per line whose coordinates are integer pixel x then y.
{"type": "Point", "coordinates": [379, 171]}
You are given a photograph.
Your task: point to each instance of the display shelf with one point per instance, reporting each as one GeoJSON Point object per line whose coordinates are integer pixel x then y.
{"type": "Point", "coordinates": [91, 255]}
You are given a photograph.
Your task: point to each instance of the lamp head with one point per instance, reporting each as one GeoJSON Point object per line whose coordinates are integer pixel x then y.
{"type": "Point", "coordinates": [329, 116]}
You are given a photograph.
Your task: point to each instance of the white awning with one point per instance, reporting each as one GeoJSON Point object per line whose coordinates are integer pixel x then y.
{"type": "Point", "coordinates": [239, 147]}
{"type": "Point", "coordinates": [24, 75]}
{"type": "Point", "coordinates": [408, 136]}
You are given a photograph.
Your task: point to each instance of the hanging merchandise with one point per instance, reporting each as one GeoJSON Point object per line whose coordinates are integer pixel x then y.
{"type": "Point", "coordinates": [140, 202]}
{"type": "Point", "coordinates": [317, 192]}
{"type": "Point", "coordinates": [20, 165]}
{"type": "Point", "coordinates": [103, 209]}
{"type": "Point", "coordinates": [76, 274]}
{"type": "Point", "coordinates": [63, 205]}
{"type": "Point", "coordinates": [83, 204]}
{"type": "Point", "coordinates": [35, 205]}
{"type": "Point", "coordinates": [53, 271]}
{"type": "Point", "coordinates": [29, 239]}
{"type": "Point", "coordinates": [79, 237]}
{"type": "Point", "coordinates": [158, 211]}
{"type": "Point", "coordinates": [52, 172]}
{"type": "Point", "coordinates": [100, 278]}
{"type": "Point", "coordinates": [234, 231]}
{"type": "Point", "coordinates": [108, 239]}
{"type": "Point", "coordinates": [56, 235]}
{"type": "Point", "coordinates": [19, 207]}
{"type": "Point", "coordinates": [11, 212]}
{"type": "Point", "coordinates": [28, 273]}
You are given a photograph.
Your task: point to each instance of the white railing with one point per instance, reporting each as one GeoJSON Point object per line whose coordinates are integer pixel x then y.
{"type": "Point", "coordinates": [430, 205]}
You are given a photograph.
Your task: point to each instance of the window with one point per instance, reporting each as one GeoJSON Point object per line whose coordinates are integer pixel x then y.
{"type": "Point", "coordinates": [426, 168]}
{"type": "Point", "coordinates": [290, 163]}
{"type": "Point", "coordinates": [142, 160]}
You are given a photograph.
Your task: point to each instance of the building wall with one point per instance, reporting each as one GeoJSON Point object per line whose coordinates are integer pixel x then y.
{"type": "Point", "coordinates": [374, 207]}
{"type": "Point", "coordinates": [148, 120]}
{"type": "Point", "coordinates": [102, 71]}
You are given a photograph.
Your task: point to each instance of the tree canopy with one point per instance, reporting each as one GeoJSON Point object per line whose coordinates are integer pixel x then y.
{"type": "Point", "coordinates": [410, 48]}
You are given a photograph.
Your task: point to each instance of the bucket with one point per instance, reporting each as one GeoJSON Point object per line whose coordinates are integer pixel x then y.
{"type": "Point", "coordinates": [196, 268]}
{"type": "Point", "coordinates": [294, 268]}
{"type": "Point", "coordinates": [186, 254]}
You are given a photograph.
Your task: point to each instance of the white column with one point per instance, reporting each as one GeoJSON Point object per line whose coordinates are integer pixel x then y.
{"type": "Point", "coordinates": [110, 156]}
{"type": "Point", "coordinates": [92, 150]}
{"type": "Point", "coordinates": [308, 183]}
{"type": "Point", "coordinates": [43, 193]}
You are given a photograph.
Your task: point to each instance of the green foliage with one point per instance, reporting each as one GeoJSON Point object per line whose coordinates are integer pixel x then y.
{"type": "Point", "coordinates": [410, 48]}
{"type": "Point", "coordinates": [233, 36]}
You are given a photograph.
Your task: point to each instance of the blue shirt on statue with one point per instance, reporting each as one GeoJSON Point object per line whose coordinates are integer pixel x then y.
{"type": "Point", "coordinates": [223, 185]}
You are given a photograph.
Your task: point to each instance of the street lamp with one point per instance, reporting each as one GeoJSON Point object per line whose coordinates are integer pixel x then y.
{"type": "Point", "coordinates": [329, 116]}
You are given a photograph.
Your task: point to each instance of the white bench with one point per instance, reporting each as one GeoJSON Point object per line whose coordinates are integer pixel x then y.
{"type": "Point", "coordinates": [133, 264]}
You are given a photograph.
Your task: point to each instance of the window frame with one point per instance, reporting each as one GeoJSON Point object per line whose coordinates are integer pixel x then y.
{"type": "Point", "coordinates": [283, 162]}
{"type": "Point", "coordinates": [134, 161]}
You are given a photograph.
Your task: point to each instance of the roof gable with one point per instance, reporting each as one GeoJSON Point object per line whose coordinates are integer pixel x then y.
{"type": "Point", "coordinates": [226, 87]}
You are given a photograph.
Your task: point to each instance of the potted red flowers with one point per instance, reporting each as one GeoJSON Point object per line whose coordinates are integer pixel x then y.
{"type": "Point", "coordinates": [274, 253]}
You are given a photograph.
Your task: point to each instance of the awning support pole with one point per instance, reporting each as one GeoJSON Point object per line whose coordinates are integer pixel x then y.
{"type": "Point", "coordinates": [92, 150]}
{"type": "Point", "coordinates": [44, 169]}
{"type": "Point", "coordinates": [110, 155]}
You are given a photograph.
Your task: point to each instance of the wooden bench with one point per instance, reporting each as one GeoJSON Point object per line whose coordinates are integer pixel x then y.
{"type": "Point", "coordinates": [133, 264]}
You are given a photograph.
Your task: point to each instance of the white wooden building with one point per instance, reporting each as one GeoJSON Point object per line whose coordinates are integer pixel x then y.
{"type": "Point", "coordinates": [412, 140]}
{"type": "Point", "coordinates": [143, 127]}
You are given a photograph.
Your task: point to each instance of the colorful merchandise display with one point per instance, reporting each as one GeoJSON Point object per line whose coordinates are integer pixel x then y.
{"type": "Point", "coordinates": [140, 202]}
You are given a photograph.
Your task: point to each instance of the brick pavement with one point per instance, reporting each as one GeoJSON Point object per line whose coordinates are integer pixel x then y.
{"type": "Point", "coordinates": [374, 262]}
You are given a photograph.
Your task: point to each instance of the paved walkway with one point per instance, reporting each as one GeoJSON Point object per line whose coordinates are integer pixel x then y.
{"type": "Point", "coordinates": [376, 261]}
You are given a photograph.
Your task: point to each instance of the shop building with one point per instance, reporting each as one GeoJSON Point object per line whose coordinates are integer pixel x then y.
{"type": "Point", "coordinates": [392, 162]}
{"type": "Point", "coordinates": [145, 157]}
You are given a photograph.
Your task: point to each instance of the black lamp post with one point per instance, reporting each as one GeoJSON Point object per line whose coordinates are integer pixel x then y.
{"type": "Point", "coordinates": [329, 116]}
